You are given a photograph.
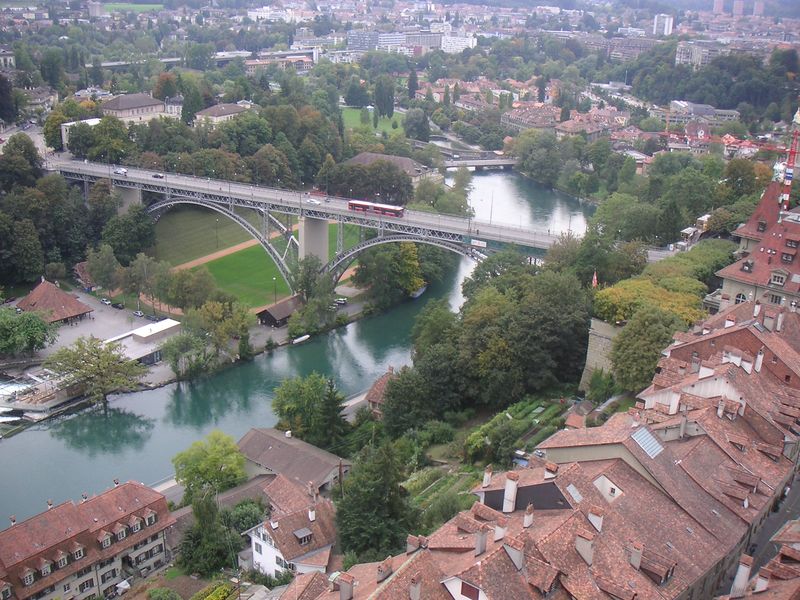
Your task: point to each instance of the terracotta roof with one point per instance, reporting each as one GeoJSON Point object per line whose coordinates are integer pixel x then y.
{"type": "Point", "coordinates": [766, 212]}
{"type": "Point", "coordinates": [287, 496]}
{"type": "Point", "coordinates": [54, 303]}
{"type": "Point", "coordinates": [376, 392]}
{"type": "Point", "coordinates": [288, 530]}
{"type": "Point", "coordinates": [297, 460]}
{"type": "Point", "coordinates": [306, 586]}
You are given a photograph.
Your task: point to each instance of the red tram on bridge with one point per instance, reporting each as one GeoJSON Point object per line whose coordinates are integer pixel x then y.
{"type": "Point", "coordinates": [373, 207]}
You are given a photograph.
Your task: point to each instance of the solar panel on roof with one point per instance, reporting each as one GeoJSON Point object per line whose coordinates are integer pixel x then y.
{"type": "Point", "coordinates": [573, 491]}
{"type": "Point", "coordinates": [647, 442]}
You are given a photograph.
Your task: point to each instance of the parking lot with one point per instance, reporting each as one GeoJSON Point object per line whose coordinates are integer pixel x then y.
{"type": "Point", "coordinates": [104, 322]}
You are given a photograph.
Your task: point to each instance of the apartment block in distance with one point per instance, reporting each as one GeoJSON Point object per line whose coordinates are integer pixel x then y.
{"type": "Point", "coordinates": [75, 551]}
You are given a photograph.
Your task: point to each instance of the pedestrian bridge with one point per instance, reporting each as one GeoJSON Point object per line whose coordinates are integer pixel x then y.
{"type": "Point", "coordinates": [481, 163]}
{"type": "Point", "coordinates": [457, 234]}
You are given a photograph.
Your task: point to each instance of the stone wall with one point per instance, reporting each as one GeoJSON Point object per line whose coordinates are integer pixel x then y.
{"type": "Point", "coordinates": [598, 353]}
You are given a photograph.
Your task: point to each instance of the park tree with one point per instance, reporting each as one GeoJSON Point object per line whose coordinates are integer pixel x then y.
{"type": "Point", "coordinates": [26, 256]}
{"type": "Point", "coordinates": [307, 276]}
{"type": "Point", "coordinates": [413, 84]}
{"type": "Point", "coordinates": [636, 349]}
{"type": "Point", "coordinates": [51, 66]}
{"type": "Point", "coordinates": [103, 205]}
{"type": "Point", "coordinates": [356, 94]}
{"type": "Point", "coordinates": [99, 367]}
{"type": "Point", "coordinates": [130, 234]}
{"type": "Point", "coordinates": [214, 464]}
{"type": "Point", "coordinates": [166, 86]}
{"type": "Point", "coordinates": [8, 108]}
{"type": "Point", "coordinates": [111, 141]}
{"type": "Point", "coordinates": [81, 140]}
{"type": "Point", "coordinates": [374, 513]}
{"type": "Point", "coordinates": [25, 333]}
{"type": "Point", "coordinates": [192, 102]}
{"type": "Point", "coordinates": [139, 277]}
{"type": "Point", "coordinates": [103, 266]}
{"type": "Point", "coordinates": [416, 125]}
{"type": "Point", "coordinates": [384, 96]}
{"type": "Point", "coordinates": [187, 354]}
{"type": "Point", "coordinates": [52, 130]}
{"type": "Point", "coordinates": [269, 166]}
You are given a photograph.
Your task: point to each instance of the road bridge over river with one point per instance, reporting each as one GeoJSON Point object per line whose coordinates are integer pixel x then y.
{"type": "Point", "coordinates": [462, 235]}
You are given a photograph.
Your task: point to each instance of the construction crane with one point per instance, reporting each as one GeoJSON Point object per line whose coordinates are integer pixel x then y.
{"type": "Point", "coordinates": [791, 161]}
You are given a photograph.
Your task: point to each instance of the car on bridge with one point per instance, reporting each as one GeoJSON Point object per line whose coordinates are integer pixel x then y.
{"type": "Point", "coordinates": [158, 176]}
{"type": "Point", "coordinates": [121, 171]}
{"type": "Point", "coordinates": [313, 201]}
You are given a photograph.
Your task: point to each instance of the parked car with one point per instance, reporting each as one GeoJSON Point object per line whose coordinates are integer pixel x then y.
{"type": "Point", "coordinates": [341, 301]}
{"type": "Point", "coordinates": [105, 301]}
{"type": "Point", "coordinates": [138, 313]}
{"type": "Point", "coordinates": [154, 318]}
{"type": "Point", "coordinates": [118, 305]}
{"type": "Point", "coordinates": [121, 171]}
{"type": "Point", "coordinates": [158, 176]}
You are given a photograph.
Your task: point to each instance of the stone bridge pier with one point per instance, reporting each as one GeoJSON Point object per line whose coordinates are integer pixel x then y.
{"type": "Point", "coordinates": [314, 238]}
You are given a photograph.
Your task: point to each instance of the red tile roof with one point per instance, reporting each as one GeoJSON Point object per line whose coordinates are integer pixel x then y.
{"type": "Point", "coordinates": [54, 303]}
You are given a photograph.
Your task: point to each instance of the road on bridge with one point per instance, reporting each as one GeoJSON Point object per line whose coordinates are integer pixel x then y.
{"type": "Point", "coordinates": [435, 226]}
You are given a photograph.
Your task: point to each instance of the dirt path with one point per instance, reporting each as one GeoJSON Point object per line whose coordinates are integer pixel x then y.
{"type": "Point", "coordinates": [215, 255]}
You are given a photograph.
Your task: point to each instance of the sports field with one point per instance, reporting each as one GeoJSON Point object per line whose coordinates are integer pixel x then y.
{"type": "Point", "coordinates": [352, 119]}
{"type": "Point", "coordinates": [248, 274]}
{"type": "Point", "coordinates": [132, 7]}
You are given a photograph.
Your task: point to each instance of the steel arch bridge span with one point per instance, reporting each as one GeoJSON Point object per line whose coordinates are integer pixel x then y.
{"type": "Point", "coordinates": [262, 237]}
{"type": "Point", "coordinates": [339, 265]}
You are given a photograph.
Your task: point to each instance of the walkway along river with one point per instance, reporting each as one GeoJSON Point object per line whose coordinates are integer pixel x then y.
{"type": "Point", "coordinates": [139, 433]}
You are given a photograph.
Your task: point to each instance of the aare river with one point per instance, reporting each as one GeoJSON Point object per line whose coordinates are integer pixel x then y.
{"type": "Point", "coordinates": [140, 432]}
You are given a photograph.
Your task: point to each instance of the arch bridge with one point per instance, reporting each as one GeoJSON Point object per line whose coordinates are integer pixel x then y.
{"type": "Point", "coordinates": [457, 234]}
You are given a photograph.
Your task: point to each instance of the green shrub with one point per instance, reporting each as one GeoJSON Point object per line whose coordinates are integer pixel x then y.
{"type": "Point", "coordinates": [436, 432]}
{"type": "Point", "coordinates": [163, 594]}
{"type": "Point", "coordinates": [207, 592]}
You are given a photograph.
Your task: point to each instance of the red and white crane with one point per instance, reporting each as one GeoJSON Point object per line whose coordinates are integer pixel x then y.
{"type": "Point", "coordinates": [791, 161]}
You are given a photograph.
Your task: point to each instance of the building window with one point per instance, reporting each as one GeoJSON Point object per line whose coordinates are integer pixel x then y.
{"type": "Point", "coordinates": [740, 298]}
{"type": "Point", "coordinates": [136, 526]}
{"type": "Point", "coordinates": [46, 570]}
{"type": "Point", "coordinates": [67, 587]}
{"type": "Point", "coordinates": [778, 279]}
{"type": "Point", "coordinates": [78, 554]}
{"type": "Point", "coordinates": [791, 243]}
{"type": "Point", "coordinates": [612, 491]}
{"type": "Point", "coordinates": [86, 585]}
{"type": "Point", "coordinates": [28, 579]}
{"type": "Point", "coordinates": [62, 562]}
{"type": "Point", "coordinates": [786, 257]}
{"type": "Point", "coordinates": [151, 519]}
{"type": "Point", "coordinates": [122, 533]}
{"type": "Point", "coordinates": [106, 542]}
{"type": "Point", "coordinates": [258, 548]}
{"type": "Point", "coordinates": [775, 299]}
{"type": "Point", "coordinates": [762, 226]}
{"type": "Point", "coordinates": [6, 593]}
{"type": "Point", "coordinates": [469, 591]}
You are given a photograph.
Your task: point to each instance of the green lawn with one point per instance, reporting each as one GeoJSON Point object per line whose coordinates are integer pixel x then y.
{"type": "Point", "coordinates": [187, 233]}
{"type": "Point", "coordinates": [352, 119]}
{"type": "Point", "coordinates": [248, 274]}
{"type": "Point", "coordinates": [132, 7]}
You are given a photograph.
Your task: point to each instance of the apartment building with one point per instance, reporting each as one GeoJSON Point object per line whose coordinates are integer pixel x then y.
{"type": "Point", "coordinates": [134, 108]}
{"type": "Point", "coordinates": [300, 532]}
{"type": "Point", "coordinates": [75, 551]}
{"type": "Point", "coordinates": [767, 271]}
{"type": "Point", "coordinates": [218, 114]}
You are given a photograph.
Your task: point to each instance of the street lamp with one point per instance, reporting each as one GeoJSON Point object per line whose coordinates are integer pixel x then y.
{"type": "Point", "coordinates": [274, 290]}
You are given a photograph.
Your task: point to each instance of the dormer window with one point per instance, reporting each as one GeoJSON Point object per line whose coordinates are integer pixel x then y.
{"type": "Point", "coordinates": [762, 225]}
{"type": "Point", "coordinates": [5, 593]}
{"type": "Point", "coordinates": [121, 534]}
{"type": "Point", "coordinates": [747, 266]}
{"type": "Point", "coordinates": [45, 569]}
{"type": "Point", "coordinates": [27, 579]}
{"type": "Point", "coordinates": [78, 554]}
{"type": "Point", "coordinates": [469, 591]}
{"type": "Point", "coordinates": [151, 519]}
{"type": "Point", "coordinates": [303, 536]}
{"type": "Point", "coordinates": [787, 257]}
{"type": "Point", "coordinates": [791, 243]}
{"type": "Point", "coordinates": [105, 542]}
{"type": "Point", "coordinates": [61, 562]}
{"type": "Point", "coordinates": [136, 525]}
{"type": "Point", "coordinates": [778, 279]}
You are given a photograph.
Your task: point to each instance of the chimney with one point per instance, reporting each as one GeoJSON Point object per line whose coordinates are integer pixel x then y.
{"type": "Point", "coordinates": [721, 408]}
{"type": "Point", "coordinates": [515, 549]}
{"type": "Point", "coordinates": [49, 504]}
{"type": "Point", "coordinates": [480, 540]}
{"type": "Point", "coordinates": [345, 582]}
{"type": "Point", "coordinates": [510, 493]}
{"type": "Point", "coordinates": [13, 519]}
{"type": "Point", "coordinates": [116, 482]}
{"type": "Point", "coordinates": [527, 520]}
{"type": "Point", "coordinates": [769, 322]}
{"type": "Point", "coordinates": [682, 430]}
{"type": "Point", "coordinates": [384, 569]}
{"type": "Point", "coordinates": [487, 476]}
{"type": "Point", "coordinates": [596, 518]}
{"type": "Point", "coordinates": [742, 576]}
{"type": "Point", "coordinates": [415, 587]}
{"type": "Point", "coordinates": [584, 545]}
{"type": "Point", "coordinates": [500, 528]}
{"type": "Point", "coordinates": [412, 543]}
{"type": "Point", "coordinates": [312, 490]}
{"type": "Point", "coordinates": [312, 514]}
{"type": "Point", "coordinates": [762, 580]}
{"type": "Point", "coordinates": [759, 360]}
{"type": "Point", "coordinates": [779, 324]}
{"type": "Point", "coordinates": [288, 433]}
{"type": "Point", "coordinates": [756, 308]}
{"type": "Point", "coordinates": [636, 555]}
